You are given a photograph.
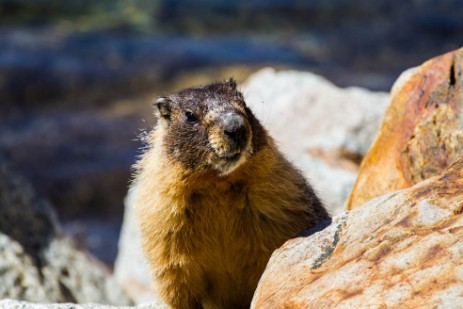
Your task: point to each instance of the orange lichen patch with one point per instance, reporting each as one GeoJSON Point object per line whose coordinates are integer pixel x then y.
{"type": "Point", "coordinates": [401, 251]}
{"type": "Point", "coordinates": [291, 305]}
{"type": "Point", "coordinates": [421, 134]}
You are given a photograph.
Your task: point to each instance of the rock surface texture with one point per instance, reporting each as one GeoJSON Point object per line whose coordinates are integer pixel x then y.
{"type": "Point", "coordinates": [14, 304]}
{"type": "Point", "coordinates": [37, 262]}
{"type": "Point", "coordinates": [323, 129]}
{"type": "Point", "coordinates": [422, 131]}
{"type": "Point", "coordinates": [402, 250]}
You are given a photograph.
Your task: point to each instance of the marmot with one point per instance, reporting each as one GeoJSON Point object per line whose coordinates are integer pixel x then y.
{"type": "Point", "coordinates": [214, 198]}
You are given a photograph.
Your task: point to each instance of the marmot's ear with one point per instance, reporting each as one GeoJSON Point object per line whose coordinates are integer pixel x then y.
{"type": "Point", "coordinates": [231, 84]}
{"type": "Point", "coordinates": [162, 108]}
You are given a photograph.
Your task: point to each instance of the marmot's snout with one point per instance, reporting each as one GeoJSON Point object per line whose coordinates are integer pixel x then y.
{"type": "Point", "coordinates": [234, 127]}
{"type": "Point", "coordinates": [230, 140]}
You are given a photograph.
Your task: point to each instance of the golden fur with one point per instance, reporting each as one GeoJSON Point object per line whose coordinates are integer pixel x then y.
{"type": "Point", "coordinates": [208, 234]}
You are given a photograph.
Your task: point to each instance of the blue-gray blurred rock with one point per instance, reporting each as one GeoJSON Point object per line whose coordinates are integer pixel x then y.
{"type": "Point", "coordinates": [38, 262]}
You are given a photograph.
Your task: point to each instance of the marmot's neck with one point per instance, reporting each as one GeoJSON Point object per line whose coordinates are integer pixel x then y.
{"type": "Point", "coordinates": [174, 175]}
{"type": "Point", "coordinates": [186, 180]}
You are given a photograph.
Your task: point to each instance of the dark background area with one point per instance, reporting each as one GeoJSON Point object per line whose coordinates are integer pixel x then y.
{"type": "Point", "coordinates": [77, 77]}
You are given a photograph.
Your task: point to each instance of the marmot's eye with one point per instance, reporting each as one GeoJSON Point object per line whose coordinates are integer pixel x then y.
{"type": "Point", "coordinates": [190, 117]}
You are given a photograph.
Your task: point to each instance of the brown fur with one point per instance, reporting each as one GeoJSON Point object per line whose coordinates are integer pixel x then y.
{"type": "Point", "coordinates": [208, 225]}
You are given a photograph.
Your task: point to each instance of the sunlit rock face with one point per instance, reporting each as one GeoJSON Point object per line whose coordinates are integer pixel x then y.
{"type": "Point", "coordinates": [422, 131]}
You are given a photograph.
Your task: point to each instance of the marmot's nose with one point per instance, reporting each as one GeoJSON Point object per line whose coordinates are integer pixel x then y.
{"type": "Point", "coordinates": [234, 127]}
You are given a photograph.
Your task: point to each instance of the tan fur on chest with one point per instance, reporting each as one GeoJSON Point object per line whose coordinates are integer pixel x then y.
{"type": "Point", "coordinates": [222, 231]}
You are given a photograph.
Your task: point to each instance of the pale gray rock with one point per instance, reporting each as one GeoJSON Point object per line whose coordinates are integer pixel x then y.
{"type": "Point", "coordinates": [20, 278]}
{"type": "Point", "coordinates": [324, 130]}
{"type": "Point", "coordinates": [14, 304]}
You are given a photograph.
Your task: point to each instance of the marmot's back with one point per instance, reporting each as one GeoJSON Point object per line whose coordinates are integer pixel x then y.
{"type": "Point", "coordinates": [214, 198]}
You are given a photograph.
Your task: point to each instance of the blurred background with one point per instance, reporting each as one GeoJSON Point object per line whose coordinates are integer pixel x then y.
{"type": "Point", "coordinates": [77, 77]}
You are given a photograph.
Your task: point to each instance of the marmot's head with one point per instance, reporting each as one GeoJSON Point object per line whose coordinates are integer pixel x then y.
{"type": "Point", "coordinates": [208, 128]}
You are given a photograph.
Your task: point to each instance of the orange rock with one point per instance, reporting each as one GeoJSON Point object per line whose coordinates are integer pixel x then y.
{"type": "Point", "coordinates": [421, 133]}
{"type": "Point", "coordinates": [400, 250]}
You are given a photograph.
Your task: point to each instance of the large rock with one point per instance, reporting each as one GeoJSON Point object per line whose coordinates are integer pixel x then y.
{"type": "Point", "coordinates": [37, 262]}
{"type": "Point", "coordinates": [402, 250]}
{"type": "Point", "coordinates": [323, 129]}
{"type": "Point", "coordinates": [422, 131]}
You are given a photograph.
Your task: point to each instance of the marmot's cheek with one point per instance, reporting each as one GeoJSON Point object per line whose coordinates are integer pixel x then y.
{"type": "Point", "coordinates": [217, 146]}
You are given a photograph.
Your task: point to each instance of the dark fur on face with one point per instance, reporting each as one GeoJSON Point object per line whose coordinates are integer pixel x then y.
{"type": "Point", "coordinates": [209, 127]}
